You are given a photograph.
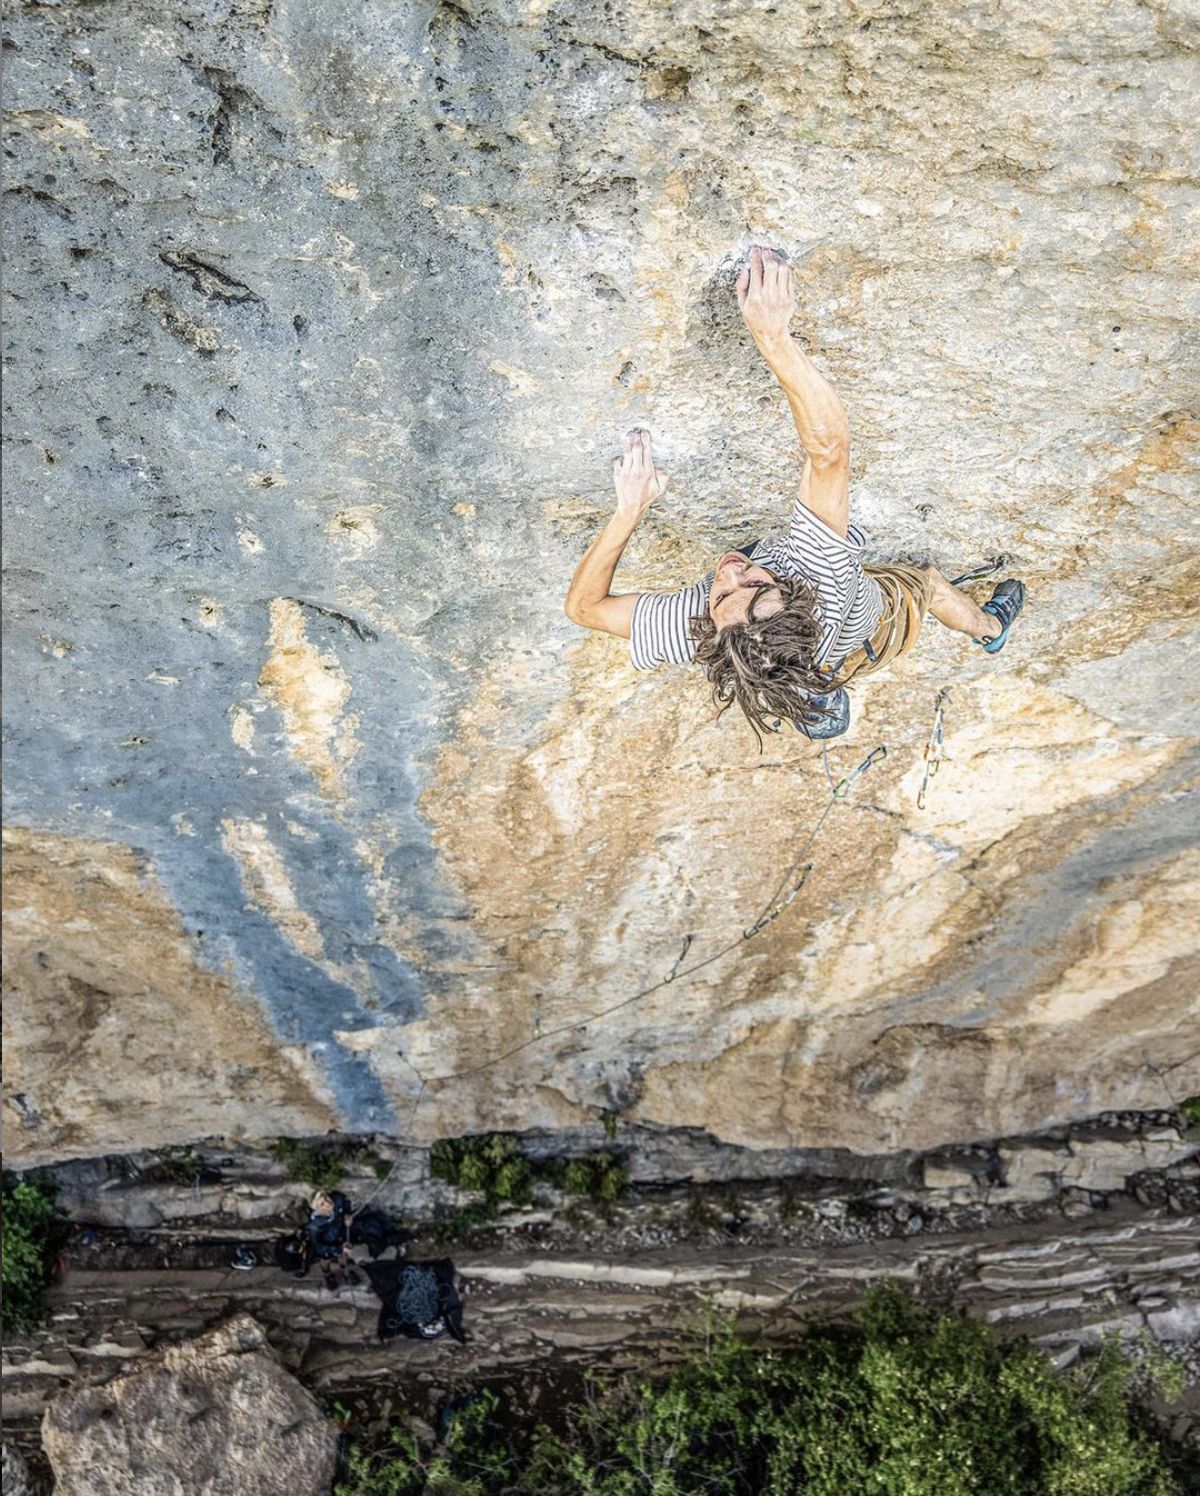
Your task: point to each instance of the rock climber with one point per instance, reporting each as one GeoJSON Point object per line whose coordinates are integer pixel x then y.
{"type": "Point", "coordinates": [782, 627]}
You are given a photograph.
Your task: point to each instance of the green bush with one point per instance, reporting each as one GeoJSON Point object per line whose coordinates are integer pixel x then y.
{"type": "Point", "coordinates": [600, 1176]}
{"type": "Point", "coordinates": [394, 1468]}
{"type": "Point", "coordinates": [1191, 1111]}
{"type": "Point", "coordinates": [182, 1166]}
{"type": "Point", "coordinates": [323, 1165]}
{"type": "Point", "coordinates": [33, 1231]}
{"type": "Point", "coordinates": [472, 1459]}
{"type": "Point", "coordinates": [901, 1403]}
{"type": "Point", "coordinates": [490, 1163]}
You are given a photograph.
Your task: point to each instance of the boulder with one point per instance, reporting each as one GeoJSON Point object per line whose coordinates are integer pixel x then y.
{"type": "Point", "coordinates": [215, 1416]}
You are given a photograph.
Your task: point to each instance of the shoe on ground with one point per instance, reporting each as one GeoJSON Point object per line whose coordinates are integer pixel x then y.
{"type": "Point", "coordinates": [1004, 604]}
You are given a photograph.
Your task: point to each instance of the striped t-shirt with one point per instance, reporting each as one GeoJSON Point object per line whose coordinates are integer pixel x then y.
{"type": "Point", "coordinates": [849, 603]}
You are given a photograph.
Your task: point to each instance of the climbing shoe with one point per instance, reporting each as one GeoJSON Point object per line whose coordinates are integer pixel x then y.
{"type": "Point", "coordinates": [1004, 604]}
{"type": "Point", "coordinates": [832, 721]}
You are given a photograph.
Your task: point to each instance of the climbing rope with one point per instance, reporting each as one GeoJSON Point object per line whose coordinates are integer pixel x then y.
{"type": "Point", "coordinates": [793, 880]}
{"type": "Point", "coordinates": [796, 876]}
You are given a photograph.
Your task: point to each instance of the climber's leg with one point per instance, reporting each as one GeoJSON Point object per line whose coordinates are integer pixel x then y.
{"type": "Point", "coordinates": [957, 611]}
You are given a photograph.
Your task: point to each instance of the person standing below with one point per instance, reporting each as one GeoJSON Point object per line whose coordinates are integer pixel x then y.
{"type": "Point", "coordinates": [782, 627]}
{"type": "Point", "coordinates": [329, 1220]}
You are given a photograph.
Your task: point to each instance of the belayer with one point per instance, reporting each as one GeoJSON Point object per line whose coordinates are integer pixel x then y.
{"type": "Point", "coordinates": [332, 1228]}
{"type": "Point", "coordinates": [782, 627]}
{"type": "Point", "coordinates": [330, 1217]}
{"type": "Point", "coordinates": [417, 1299]}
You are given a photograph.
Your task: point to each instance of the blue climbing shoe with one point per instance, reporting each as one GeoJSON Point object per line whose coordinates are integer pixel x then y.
{"type": "Point", "coordinates": [1004, 604]}
{"type": "Point", "coordinates": [832, 721]}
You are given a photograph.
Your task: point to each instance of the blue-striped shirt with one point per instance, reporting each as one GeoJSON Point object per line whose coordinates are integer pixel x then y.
{"type": "Point", "coordinates": [849, 603]}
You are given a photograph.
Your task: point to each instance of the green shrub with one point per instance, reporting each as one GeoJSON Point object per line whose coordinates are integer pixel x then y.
{"type": "Point", "coordinates": [473, 1458]}
{"type": "Point", "coordinates": [490, 1163]}
{"type": "Point", "coordinates": [182, 1166]}
{"type": "Point", "coordinates": [394, 1468]}
{"type": "Point", "coordinates": [1191, 1110]}
{"type": "Point", "coordinates": [323, 1165]}
{"type": "Point", "coordinates": [33, 1232]}
{"type": "Point", "coordinates": [577, 1177]}
{"type": "Point", "coordinates": [513, 1182]}
{"type": "Point", "coordinates": [901, 1403]}
{"type": "Point", "coordinates": [600, 1176]}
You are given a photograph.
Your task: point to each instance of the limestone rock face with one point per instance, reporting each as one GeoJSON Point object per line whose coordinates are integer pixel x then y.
{"type": "Point", "coordinates": [325, 323]}
{"type": "Point", "coordinates": [215, 1416]}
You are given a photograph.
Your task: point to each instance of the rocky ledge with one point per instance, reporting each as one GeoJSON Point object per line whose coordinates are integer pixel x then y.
{"type": "Point", "coordinates": [1060, 1237]}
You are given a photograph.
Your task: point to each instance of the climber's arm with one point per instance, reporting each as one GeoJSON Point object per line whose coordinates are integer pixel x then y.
{"type": "Point", "coordinates": [765, 296]}
{"type": "Point", "coordinates": [590, 600]}
{"type": "Point", "coordinates": [824, 433]}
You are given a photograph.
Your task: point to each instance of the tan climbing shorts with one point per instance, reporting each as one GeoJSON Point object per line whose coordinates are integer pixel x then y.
{"type": "Point", "coordinates": [907, 594]}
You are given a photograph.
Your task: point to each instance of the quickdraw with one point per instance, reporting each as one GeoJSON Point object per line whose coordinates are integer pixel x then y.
{"type": "Point", "coordinates": [933, 748]}
{"type": "Point", "coordinates": [842, 787]}
{"type": "Point", "coordinates": [984, 569]}
{"type": "Point", "coordinates": [761, 924]}
{"type": "Point", "coordinates": [674, 972]}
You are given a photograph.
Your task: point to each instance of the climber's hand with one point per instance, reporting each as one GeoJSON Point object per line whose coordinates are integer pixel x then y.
{"type": "Point", "coordinates": [635, 479]}
{"type": "Point", "coordinates": [764, 293]}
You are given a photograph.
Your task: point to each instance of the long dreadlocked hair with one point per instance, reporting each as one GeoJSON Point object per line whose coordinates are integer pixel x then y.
{"type": "Point", "coordinates": [766, 665]}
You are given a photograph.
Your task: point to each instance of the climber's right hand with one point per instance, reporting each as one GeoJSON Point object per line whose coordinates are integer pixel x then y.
{"type": "Point", "coordinates": [635, 479]}
{"type": "Point", "coordinates": [764, 293]}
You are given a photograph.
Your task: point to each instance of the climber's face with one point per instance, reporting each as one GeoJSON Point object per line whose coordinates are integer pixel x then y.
{"type": "Point", "coordinates": [321, 1204]}
{"type": "Point", "coordinates": [735, 591]}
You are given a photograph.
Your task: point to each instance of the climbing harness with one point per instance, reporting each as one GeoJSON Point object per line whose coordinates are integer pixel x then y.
{"type": "Point", "coordinates": [933, 748]}
{"type": "Point", "coordinates": [793, 880]}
